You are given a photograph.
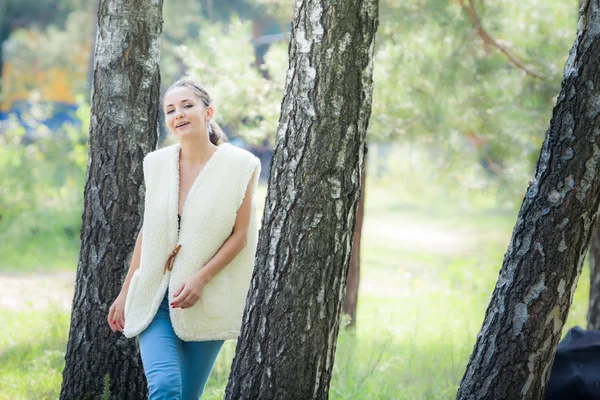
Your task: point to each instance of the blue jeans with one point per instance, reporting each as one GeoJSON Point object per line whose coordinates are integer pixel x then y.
{"type": "Point", "coordinates": [174, 368]}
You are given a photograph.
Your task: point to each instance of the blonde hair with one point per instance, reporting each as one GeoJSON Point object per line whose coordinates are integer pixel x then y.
{"type": "Point", "coordinates": [215, 133]}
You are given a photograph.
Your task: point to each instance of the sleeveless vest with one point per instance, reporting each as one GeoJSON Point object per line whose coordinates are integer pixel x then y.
{"type": "Point", "coordinates": [207, 220]}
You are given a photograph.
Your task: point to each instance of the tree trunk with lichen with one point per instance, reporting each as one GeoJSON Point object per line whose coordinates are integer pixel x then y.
{"type": "Point", "coordinates": [123, 128]}
{"type": "Point", "coordinates": [287, 344]}
{"type": "Point", "coordinates": [515, 348]}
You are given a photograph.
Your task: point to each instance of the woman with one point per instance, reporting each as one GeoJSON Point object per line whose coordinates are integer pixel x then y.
{"type": "Point", "coordinates": [186, 287]}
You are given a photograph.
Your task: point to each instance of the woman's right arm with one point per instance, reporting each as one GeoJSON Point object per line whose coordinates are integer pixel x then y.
{"type": "Point", "coordinates": [116, 313]}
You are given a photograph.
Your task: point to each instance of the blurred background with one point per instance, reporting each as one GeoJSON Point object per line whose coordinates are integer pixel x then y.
{"type": "Point", "coordinates": [463, 95]}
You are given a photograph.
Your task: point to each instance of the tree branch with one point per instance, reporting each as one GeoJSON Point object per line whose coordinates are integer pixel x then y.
{"type": "Point", "coordinates": [487, 38]}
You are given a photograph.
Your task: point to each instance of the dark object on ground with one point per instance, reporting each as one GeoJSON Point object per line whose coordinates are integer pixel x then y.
{"type": "Point", "coordinates": [576, 371]}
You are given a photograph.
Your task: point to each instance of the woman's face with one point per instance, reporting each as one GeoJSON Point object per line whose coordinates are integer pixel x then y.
{"type": "Point", "coordinates": [185, 113]}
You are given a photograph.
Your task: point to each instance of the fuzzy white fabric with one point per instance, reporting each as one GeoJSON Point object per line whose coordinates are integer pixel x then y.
{"type": "Point", "coordinates": [207, 220]}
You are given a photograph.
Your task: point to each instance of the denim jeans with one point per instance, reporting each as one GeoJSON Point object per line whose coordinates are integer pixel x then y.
{"type": "Point", "coordinates": [174, 368]}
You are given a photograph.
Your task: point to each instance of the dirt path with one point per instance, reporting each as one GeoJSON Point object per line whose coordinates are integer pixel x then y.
{"type": "Point", "coordinates": [38, 291]}
{"type": "Point", "coordinates": [55, 289]}
{"type": "Point", "coordinates": [421, 236]}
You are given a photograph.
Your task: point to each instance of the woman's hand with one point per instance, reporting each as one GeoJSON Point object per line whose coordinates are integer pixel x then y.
{"type": "Point", "coordinates": [190, 291]}
{"type": "Point", "coordinates": [116, 314]}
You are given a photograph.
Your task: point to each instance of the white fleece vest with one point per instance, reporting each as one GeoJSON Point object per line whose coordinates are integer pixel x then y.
{"type": "Point", "coordinates": [207, 220]}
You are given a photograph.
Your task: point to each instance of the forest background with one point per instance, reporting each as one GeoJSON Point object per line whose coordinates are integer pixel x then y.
{"type": "Point", "coordinates": [462, 99]}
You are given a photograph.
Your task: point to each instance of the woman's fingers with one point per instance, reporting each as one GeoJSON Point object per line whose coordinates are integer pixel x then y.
{"type": "Point", "coordinates": [121, 323]}
{"type": "Point", "coordinates": [193, 300]}
{"type": "Point", "coordinates": [111, 313]}
{"type": "Point", "coordinates": [178, 291]}
{"type": "Point", "coordinates": [186, 303]}
{"type": "Point", "coordinates": [189, 301]}
{"type": "Point", "coordinates": [116, 318]}
{"type": "Point", "coordinates": [179, 299]}
{"type": "Point", "coordinates": [182, 299]}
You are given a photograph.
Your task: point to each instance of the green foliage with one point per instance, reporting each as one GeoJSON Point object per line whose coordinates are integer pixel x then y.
{"type": "Point", "coordinates": [24, 13]}
{"type": "Point", "coordinates": [177, 27]}
{"type": "Point", "coordinates": [41, 195]}
{"type": "Point", "coordinates": [222, 59]}
{"type": "Point", "coordinates": [106, 395]}
{"type": "Point", "coordinates": [436, 81]}
{"type": "Point", "coordinates": [280, 10]}
{"type": "Point", "coordinates": [50, 62]}
{"type": "Point", "coordinates": [57, 47]}
{"type": "Point", "coordinates": [437, 84]}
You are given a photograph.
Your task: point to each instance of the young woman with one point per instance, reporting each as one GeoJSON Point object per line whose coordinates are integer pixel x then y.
{"type": "Point", "coordinates": [186, 287]}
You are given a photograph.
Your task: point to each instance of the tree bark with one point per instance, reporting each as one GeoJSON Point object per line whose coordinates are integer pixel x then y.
{"type": "Point", "coordinates": [593, 316]}
{"type": "Point", "coordinates": [353, 282]}
{"type": "Point", "coordinates": [287, 344]}
{"type": "Point", "coordinates": [123, 128]}
{"type": "Point", "coordinates": [515, 348]}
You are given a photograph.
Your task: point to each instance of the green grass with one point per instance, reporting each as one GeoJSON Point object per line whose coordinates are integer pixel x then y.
{"type": "Point", "coordinates": [427, 274]}
{"type": "Point", "coordinates": [39, 253]}
{"type": "Point", "coordinates": [32, 349]}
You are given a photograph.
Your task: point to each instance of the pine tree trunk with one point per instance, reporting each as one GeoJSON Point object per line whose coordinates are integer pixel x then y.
{"type": "Point", "coordinates": [353, 282]}
{"type": "Point", "coordinates": [287, 345]}
{"type": "Point", "coordinates": [593, 316]}
{"type": "Point", "coordinates": [515, 348]}
{"type": "Point", "coordinates": [123, 128]}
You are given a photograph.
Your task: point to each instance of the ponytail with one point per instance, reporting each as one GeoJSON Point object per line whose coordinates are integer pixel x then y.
{"type": "Point", "coordinates": [215, 133]}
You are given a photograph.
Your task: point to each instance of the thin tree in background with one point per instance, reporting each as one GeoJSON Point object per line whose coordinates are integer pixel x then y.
{"type": "Point", "coordinates": [353, 282]}
{"type": "Point", "coordinates": [287, 344]}
{"type": "Point", "coordinates": [515, 348]}
{"type": "Point", "coordinates": [123, 128]}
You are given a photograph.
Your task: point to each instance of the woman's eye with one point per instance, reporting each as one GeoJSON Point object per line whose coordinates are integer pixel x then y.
{"type": "Point", "coordinates": [186, 106]}
{"type": "Point", "coordinates": [169, 112]}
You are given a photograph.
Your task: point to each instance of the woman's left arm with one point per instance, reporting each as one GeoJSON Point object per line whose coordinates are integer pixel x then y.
{"type": "Point", "coordinates": [190, 291]}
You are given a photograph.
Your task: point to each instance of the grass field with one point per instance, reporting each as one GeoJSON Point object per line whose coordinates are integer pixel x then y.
{"type": "Point", "coordinates": [428, 269]}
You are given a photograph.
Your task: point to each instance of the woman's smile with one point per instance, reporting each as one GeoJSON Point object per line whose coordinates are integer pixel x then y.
{"type": "Point", "coordinates": [182, 125]}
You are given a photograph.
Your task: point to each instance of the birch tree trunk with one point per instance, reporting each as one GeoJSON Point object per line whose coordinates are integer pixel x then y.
{"type": "Point", "coordinates": [123, 128]}
{"type": "Point", "coordinates": [287, 344]}
{"type": "Point", "coordinates": [515, 348]}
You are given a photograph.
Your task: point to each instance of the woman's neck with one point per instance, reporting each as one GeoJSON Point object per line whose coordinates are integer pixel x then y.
{"type": "Point", "coordinates": [196, 151]}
